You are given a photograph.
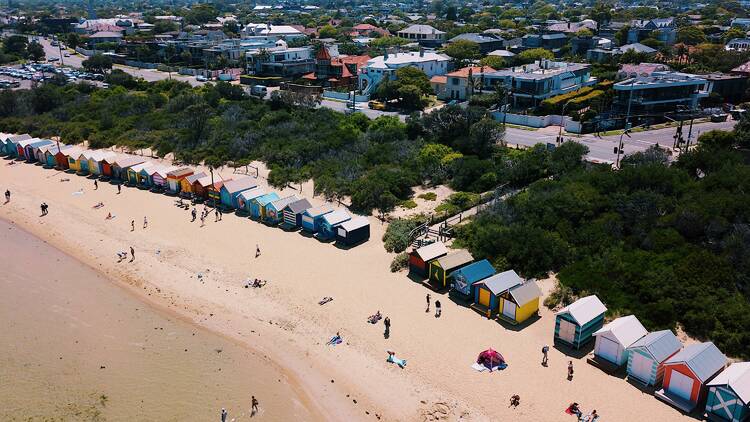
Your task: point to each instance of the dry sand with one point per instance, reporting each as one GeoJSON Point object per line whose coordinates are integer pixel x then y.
{"type": "Point", "coordinates": [283, 320]}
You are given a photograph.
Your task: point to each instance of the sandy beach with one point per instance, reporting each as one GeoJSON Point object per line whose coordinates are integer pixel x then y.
{"type": "Point", "coordinates": [198, 273]}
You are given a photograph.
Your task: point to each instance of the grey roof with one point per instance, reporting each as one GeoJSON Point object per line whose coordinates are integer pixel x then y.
{"type": "Point", "coordinates": [355, 223]}
{"type": "Point", "coordinates": [280, 204]}
{"type": "Point", "coordinates": [195, 176]}
{"type": "Point", "coordinates": [337, 217]}
{"type": "Point", "coordinates": [660, 344]}
{"type": "Point", "coordinates": [18, 138]}
{"type": "Point", "coordinates": [299, 206]}
{"type": "Point", "coordinates": [704, 359]}
{"type": "Point", "coordinates": [317, 211]}
{"type": "Point", "coordinates": [638, 48]}
{"type": "Point", "coordinates": [502, 282]}
{"type": "Point", "coordinates": [737, 377]}
{"type": "Point", "coordinates": [238, 185]}
{"type": "Point", "coordinates": [525, 293]}
{"type": "Point", "coordinates": [432, 251]}
{"type": "Point", "coordinates": [455, 259]}
{"type": "Point", "coordinates": [474, 37]}
{"type": "Point", "coordinates": [421, 29]}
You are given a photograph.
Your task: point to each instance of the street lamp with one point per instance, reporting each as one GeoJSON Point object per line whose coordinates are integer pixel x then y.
{"type": "Point", "coordinates": [562, 123]}
{"type": "Point", "coordinates": [620, 146]}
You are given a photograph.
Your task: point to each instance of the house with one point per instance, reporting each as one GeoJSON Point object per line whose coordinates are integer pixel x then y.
{"type": "Point", "coordinates": [54, 158]}
{"type": "Point", "coordinates": [266, 29]}
{"type": "Point", "coordinates": [231, 189]}
{"type": "Point", "coordinates": [687, 372]}
{"type": "Point", "coordinates": [105, 165]}
{"type": "Point", "coordinates": [661, 29]}
{"type": "Point", "coordinates": [640, 69]}
{"type": "Point", "coordinates": [384, 67]}
{"type": "Point", "coordinates": [214, 191]}
{"type": "Point", "coordinates": [334, 70]}
{"type": "Point", "coordinates": [613, 340]}
{"type": "Point", "coordinates": [572, 27]}
{"type": "Point", "coordinates": [280, 61]}
{"type": "Point", "coordinates": [660, 92]}
{"type": "Point", "coordinates": [186, 184]}
{"type": "Point", "coordinates": [63, 157]}
{"type": "Point", "coordinates": [21, 147]}
{"type": "Point", "coordinates": [245, 198]}
{"type": "Point", "coordinates": [293, 212]}
{"type": "Point", "coordinates": [742, 23]}
{"type": "Point", "coordinates": [738, 44]}
{"type": "Point", "coordinates": [552, 42]}
{"type": "Point", "coordinates": [441, 267]}
{"type": "Point", "coordinates": [122, 164]}
{"type": "Point", "coordinates": [730, 88]}
{"type": "Point", "coordinates": [460, 84]}
{"type": "Point", "coordinates": [83, 161]}
{"type": "Point", "coordinates": [419, 259]}
{"type": "Point", "coordinates": [520, 302]}
{"type": "Point", "coordinates": [576, 323]}
{"type": "Point", "coordinates": [486, 42]}
{"type": "Point", "coordinates": [95, 161]}
{"type": "Point", "coordinates": [312, 218]}
{"type": "Point", "coordinates": [533, 83]}
{"type": "Point", "coordinates": [258, 205]}
{"type": "Point", "coordinates": [425, 35]}
{"type": "Point", "coordinates": [161, 175]}
{"type": "Point", "coordinates": [134, 172]}
{"type": "Point", "coordinates": [463, 279]}
{"type": "Point", "coordinates": [367, 30]}
{"type": "Point", "coordinates": [487, 292]}
{"type": "Point", "coordinates": [579, 46]}
{"type": "Point", "coordinates": [31, 150]}
{"type": "Point", "coordinates": [330, 222]}
{"type": "Point", "coordinates": [275, 209]}
{"type": "Point", "coordinates": [729, 394]}
{"type": "Point", "coordinates": [104, 37]}
{"type": "Point", "coordinates": [354, 231]}
{"type": "Point", "coordinates": [176, 176]}
{"type": "Point", "coordinates": [647, 355]}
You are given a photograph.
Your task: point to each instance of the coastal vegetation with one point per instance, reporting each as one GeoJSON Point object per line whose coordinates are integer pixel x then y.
{"type": "Point", "coordinates": [670, 244]}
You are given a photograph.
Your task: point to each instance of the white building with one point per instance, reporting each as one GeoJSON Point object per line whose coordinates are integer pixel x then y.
{"type": "Point", "coordinates": [385, 66]}
{"type": "Point", "coordinates": [279, 31]}
{"type": "Point", "coordinates": [738, 44]}
{"type": "Point", "coordinates": [423, 34]}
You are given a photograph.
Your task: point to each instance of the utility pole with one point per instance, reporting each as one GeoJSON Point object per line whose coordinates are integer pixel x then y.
{"type": "Point", "coordinates": [690, 131]}
{"type": "Point", "coordinates": [59, 48]}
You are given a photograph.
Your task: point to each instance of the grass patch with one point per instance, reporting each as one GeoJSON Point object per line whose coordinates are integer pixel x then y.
{"type": "Point", "coordinates": [428, 196]}
{"type": "Point", "coordinates": [408, 204]}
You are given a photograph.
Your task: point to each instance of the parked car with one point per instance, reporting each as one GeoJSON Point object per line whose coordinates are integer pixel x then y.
{"type": "Point", "coordinates": [201, 78]}
{"type": "Point", "coordinates": [376, 105]}
{"type": "Point", "coordinates": [53, 59]}
{"type": "Point", "coordinates": [259, 90]}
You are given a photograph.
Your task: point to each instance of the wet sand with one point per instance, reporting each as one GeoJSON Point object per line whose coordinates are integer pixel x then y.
{"type": "Point", "coordinates": [78, 347]}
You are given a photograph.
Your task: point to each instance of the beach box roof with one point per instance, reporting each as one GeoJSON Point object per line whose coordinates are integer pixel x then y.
{"type": "Point", "coordinates": [179, 172]}
{"type": "Point", "coordinates": [455, 259]}
{"type": "Point", "coordinates": [318, 211]}
{"type": "Point", "coordinates": [100, 155]}
{"type": "Point", "coordinates": [704, 359]}
{"type": "Point", "coordinates": [19, 138]}
{"type": "Point", "coordinates": [298, 206]}
{"type": "Point", "coordinates": [140, 166]}
{"type": "Point", "coordinates": [336, 217]}
{"type": "Point", "coordinates": [502, 282]}
{"type": "Point", "coordinates": [238, 185]}
{"type": "Point", "coordinates": [28, 141]}
{"type": "Point", "coordinates": [626, 330]}
{"type": "Point", "coordinates": [204, 181]}
{"type": "Point", "coordinates": [476, 271]}
{"type": "Point", "coordinates": [660, 344]}
{"type": "Point", "coordinates": [525, 293]}
{"type": "Point", "coordinates": [280, 204]}
{"type": "Point", "coordinates": [584, 309]}
{"type": "Point", "coordinates": [194, 177]}
{"type": "Point", "coordinates": [128, 161]}
{"type": "Point", "coordinates": [266, 199]}
{"type": "Point", "coordinates": [74, 152]}
{"type": "Point", "coordinates": [252, 193]}
{"type": "Point", "coordinates": [431, 251]}
{"type": "Point", "coordinates": [355, 223]}
{"type": "Point", "coordinates": [737, 377]}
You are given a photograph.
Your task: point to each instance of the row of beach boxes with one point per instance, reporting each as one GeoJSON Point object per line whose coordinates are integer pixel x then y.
{"type": "Point", "coordinates": [242, 194]}
{"type": "Point", "coordinates": [687, 376]}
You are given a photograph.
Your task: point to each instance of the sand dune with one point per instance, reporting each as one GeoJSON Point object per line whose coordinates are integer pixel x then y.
{"type": "Point", "coordinates": [199, 273]}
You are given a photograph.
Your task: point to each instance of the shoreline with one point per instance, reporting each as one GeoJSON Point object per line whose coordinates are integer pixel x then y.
{"type": "Point", "coordinates": [295, 383]}
{"type": "Point", "coordinates": [284, 323]}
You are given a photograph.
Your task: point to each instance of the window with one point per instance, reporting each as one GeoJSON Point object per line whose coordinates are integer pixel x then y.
{"type": "Point", "coordinates": [454, 81]}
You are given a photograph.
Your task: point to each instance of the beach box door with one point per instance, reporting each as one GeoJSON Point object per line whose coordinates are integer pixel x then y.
{"type": "Point", "coordinates": [484, 297]}
{"type": "Point", "coordinates": [509, 309]}
{"type": "Point", "coordinates": [567, 331]}
{"type": "Point", "coordinates": [640, 367]}
{"type": "Point", "coordinates": [608, 349]}
{"type": "Point", "coordinates": [681, 385]}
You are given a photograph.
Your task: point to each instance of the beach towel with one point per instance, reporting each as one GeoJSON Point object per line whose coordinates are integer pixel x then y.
{"type": "Point", "coordinates": [481, 368]}
{"type": "Point", "coordinates": [393, 359]}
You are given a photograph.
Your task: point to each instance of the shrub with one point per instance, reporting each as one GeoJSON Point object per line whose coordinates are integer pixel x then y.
{"type": "Point", "coordinates": [428, 196]}
{"type": "Point", "coordinates": [396, 237]}
{"type": "Point", "coordinates": [399, 262]}
{"type": "Point", "coordinates": [408, 204]}
{"type": "Point", "coordinates": [560, 295]}
{"type": "Point", "coordinates": [458, 202]}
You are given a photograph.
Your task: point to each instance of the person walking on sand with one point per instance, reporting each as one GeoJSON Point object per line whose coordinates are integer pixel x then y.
{"type": "Point", "coordinates": [132, 225]}
{"type": "Point", "coordinates": [203, 220]}
{"type": "Point", "coordinates": [545, 350]}
{"type": "Point", "coordinates": [428, 303]}
{"type": "Point", "coordinates": [194, 214]}
{"type": "Point", "coordinates": [132, 254]}
{"type": "Point", "coordinates": [96, 184]}
{"type": "Point", "coordinates": [253, 406]}
{"type": "Point", "coordinates": [7, 196]}
{"type": "Point", "coordinates": [119, 188]}
{"type": "Point", "coordinates": [216, 215]}
{"type": "Point", "coordinates": [592, 417]}
{"type": "Point", "coordinates": [46, 208]}
{"type": "Point", "coordinates": [41, 206]}
{"type": "Point", "coordinates": [224, 415]}
{"type": "Point", "coordinates": [570, 370]}
{"type": "Point", "coordinates": [257, 250]}
{"type": "Point", "coordinates": [437, 309]}
{"type": "Point", "coordinates": [387, 323]}
{"type": "Point", "coordinates": [145, 222]}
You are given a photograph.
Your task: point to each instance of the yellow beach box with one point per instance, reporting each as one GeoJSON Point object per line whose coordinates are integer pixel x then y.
{"type": "Point", "coordinates": [520, 302]}
{"type": "Point", "coordinates": [441, 267]}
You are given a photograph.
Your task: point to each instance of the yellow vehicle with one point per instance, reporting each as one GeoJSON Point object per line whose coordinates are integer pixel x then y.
{"type": "Point", "coordinates": [376, 105]}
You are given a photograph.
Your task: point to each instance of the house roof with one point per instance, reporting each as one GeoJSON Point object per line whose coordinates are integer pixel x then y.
{"type": "Point", "coordinates": [737, 377]}
{"type": "Point", "coordinates": [181, 171]}
{"type": "Point", "coordinates": [238, 185]}
{"type": "Point", "coordinates": [584, 309]}
{"type": "Point", "coordinates": [475, 70]}
{"type": "Point", "coordinates": [501, 53]}
{"type": "Point", "coordinates": [299, 206]}
{"type": "Point", "coordinates": [660, 344]}
{"type": "Point", "coordinates": [439, 79]}
{"type": "Point", "coordinates": [18, 138]}
{"type": "Point", "coordinates": [525, 293]}
{"type": "Point", "coordinates": [638, 48]}
{"type": "Point", "coordinates": [106, 34]}
{"type": "Point", "coordinates": [128, 160]}
{"type": "Point", "coordinates": [317, 211]}
{"type": "Point", "coordinates": [431, 251]}
{"type": "Point", "coordinates": [704, 359]}
{"type": "Point", "coordinates": [475, 37]}
{"type": "Point", "coordinates": [476, 271]}
{"type": "Point", "coordinates": [627, 330]}
{"type": "Point", "coordinates": [252, 193]}
{"type": "Point", "coordinates": [502, 282]}
{"type": "Point", "coordinates": [336, 217]}
{"type": "Point", "coordinates": [455, 259]}
{"type": "Point", "coordinates": [280, 204]}
{"type": "Point", "coordinates": [194, 177]}
{"type": "Point", "coordinates": [266, 199]}
{"type": "Point", "coordinates": [355, 223]}
{"type": "Point", "coordinates": [421, 29]}
{"type": "Point", "coordinates": [204, 181]}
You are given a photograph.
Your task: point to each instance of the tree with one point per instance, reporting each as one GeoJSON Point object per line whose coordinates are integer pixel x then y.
{"type": "Point", "coordinates": [567, 157]}
{"type": "Point", "coordinates": [534, 54]}
{"type": "Point", "coordinates": [15, 44]}
{"type": "Point", "coordinates": [462, 52]}
{"type": "Point", "coordinates": [732, 33]}
{"type": "Point", "coordinates": [73, 40]}
{"type": "Point", "coordinates": [328, 31]}
{"type": "Point", "coordinates": [162, 26]}
{"type": "Point", "coordinates": [35, 51]}
{"type": "Point", "coordinates": [584, 32]}
{"type": "Point", "coordinates": [200, 14]}
{"type": "Point", "coordinates": [98, 63]}
{"type": "Point", "coordinates": [411, 75]}
{"type": "Point", "coordinates": [621, 36]}
{"type": "Point", "coordinates": [601, 13]}
{"type": "Point", "coordinates": [690, 35]}
{"type": "Point", "coordinates": [495, 62]}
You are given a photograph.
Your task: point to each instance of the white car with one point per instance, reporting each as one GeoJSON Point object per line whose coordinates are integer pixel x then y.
{"type": "Point", "coordinates": [201, 78]}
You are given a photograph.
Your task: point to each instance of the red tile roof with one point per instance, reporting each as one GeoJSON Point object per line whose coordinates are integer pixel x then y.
{"type": "Point", "coordinates": [475, 70]}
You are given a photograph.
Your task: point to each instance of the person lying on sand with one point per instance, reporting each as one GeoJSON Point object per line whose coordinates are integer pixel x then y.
{"type": "Point", "coordinates": [65, 180]}
{"type": "Point", "coordinates": [373, 319]}
{"type": "Point", "coordinates": [122, 255]}
{"type": "Point", "coordinates": [109, 216]}
{"type": "Point", "coordinates": [591, 417]}
{"type": "Point", "coordinates": [515, 400]}
{"type": "Point", "coordinates": [325, 300]}
{"type": "Point", "coordinates": [335, 340]}
{"type": "Point", "coordinates": [99, 205]}
{"type": "Point", "coordinates": [573, 409]}
{"type": "Point", "coordinates": [393, 359]}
